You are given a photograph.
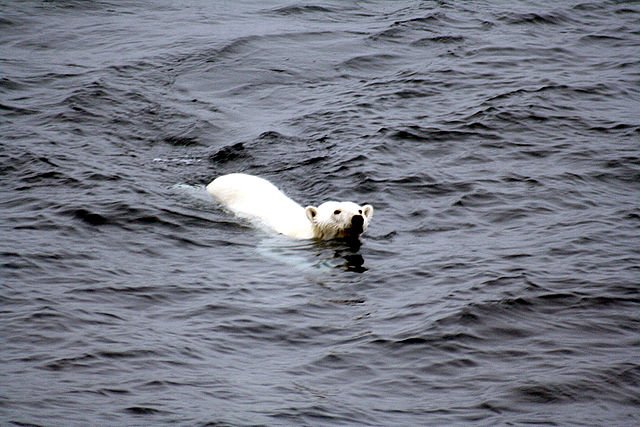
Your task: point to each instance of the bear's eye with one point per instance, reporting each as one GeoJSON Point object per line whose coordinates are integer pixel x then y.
{"type": "Point", "coordinates": [336, 212]}
{"type": "Point", "coordinates": [360, 211]}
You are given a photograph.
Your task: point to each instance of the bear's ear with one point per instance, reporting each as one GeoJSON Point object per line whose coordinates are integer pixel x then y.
{"type": "Point", "coordinates": [311, 212]}
{"type": "Point", "coordinates": [367, 210]}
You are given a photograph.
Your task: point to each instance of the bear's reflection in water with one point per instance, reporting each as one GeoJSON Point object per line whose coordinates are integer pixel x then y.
{"type": "Point", "coordinates": [349, 252]}
{"type": "Point", "coordinates": [314, 254]}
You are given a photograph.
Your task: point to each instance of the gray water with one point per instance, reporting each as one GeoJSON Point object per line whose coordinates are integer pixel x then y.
{"type": "Point", "coordinates": [498, 283]}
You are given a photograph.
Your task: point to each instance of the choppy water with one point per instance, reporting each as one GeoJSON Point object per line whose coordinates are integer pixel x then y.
{"type": "Point", "coordinates": [498, 282]}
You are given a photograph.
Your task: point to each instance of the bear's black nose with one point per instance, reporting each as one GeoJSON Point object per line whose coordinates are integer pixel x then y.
{"type": "Point", "coordinates": [357, 221]}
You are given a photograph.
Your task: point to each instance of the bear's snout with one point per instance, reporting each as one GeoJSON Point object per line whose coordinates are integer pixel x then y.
{"type": "Point", "coordinates": [357, 221]}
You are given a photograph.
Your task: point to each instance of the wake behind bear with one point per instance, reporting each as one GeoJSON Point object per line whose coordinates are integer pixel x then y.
{"type": "Point", "coordinates": [258, 200]}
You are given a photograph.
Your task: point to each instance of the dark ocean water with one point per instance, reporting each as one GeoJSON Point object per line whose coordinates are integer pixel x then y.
{"type": "Point", "coordinates": [499, 282]}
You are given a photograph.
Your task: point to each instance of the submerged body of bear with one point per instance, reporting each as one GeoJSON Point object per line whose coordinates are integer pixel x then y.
{"type": "Point", "coordinates": [259, 200]}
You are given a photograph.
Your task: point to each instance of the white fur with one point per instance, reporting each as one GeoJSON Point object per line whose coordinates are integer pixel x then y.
{"type": "Point", "coordinates": [259, 200]}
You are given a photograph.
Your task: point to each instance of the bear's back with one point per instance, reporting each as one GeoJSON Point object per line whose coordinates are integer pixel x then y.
{"type": "Point", "coordinates": [258, 200]}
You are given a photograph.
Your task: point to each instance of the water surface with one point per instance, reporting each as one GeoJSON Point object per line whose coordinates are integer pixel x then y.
{"type": "Point", "coordinates": [498, 282]}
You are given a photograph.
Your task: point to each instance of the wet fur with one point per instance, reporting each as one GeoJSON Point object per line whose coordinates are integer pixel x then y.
{"type": "Point", "coordinates": [261, 202]}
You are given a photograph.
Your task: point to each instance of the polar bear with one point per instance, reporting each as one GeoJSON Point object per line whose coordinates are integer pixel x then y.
{"type": "Point", "coordinates": [260, 201]}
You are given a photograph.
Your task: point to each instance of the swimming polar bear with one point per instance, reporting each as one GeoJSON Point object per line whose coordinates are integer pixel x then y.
{"type": "Point", "coordinates": [260, 201]}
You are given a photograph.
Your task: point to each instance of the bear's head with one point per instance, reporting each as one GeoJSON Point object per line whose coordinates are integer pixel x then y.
{"type": "Point", "coordinates": [333, 220]}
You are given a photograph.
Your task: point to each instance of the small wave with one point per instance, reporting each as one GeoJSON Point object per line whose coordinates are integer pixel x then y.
{"type": "Point", "coordinates": [419, 133]}
{"type": "Point", "coordinates": [7, 84]}
{"type": "Point", "coordinates": [302, 10]}
{"type": "Point", "coordinates": [369, 62]}
{"type": "Point", "coordinates": [533, 18]}
{"type": "Point", "coordinates": [230, 153]}
{"type": "Point", "coordinates": [75, 363]}
{"type": "Point", "coordinates": [613, 384]}
{"type": "Point", "coordinates": [597, 38]}
{"type": "Point", "coordinates": [421, 21]}
{"type": "Point", "coordinates": [426, 41]}
{"type": "Point", "coordinates": [6, 22]}
{"type": "Point", "coordinates": [146, 410]}
{"type": "Point", "coordinates": [119, 214]}
{"type": "Point", "coordinates": [89, 218]}
{"type": "Point", "coordinates": [479, 198]}
{"type": "Point", "coordinates": [181, 140]}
